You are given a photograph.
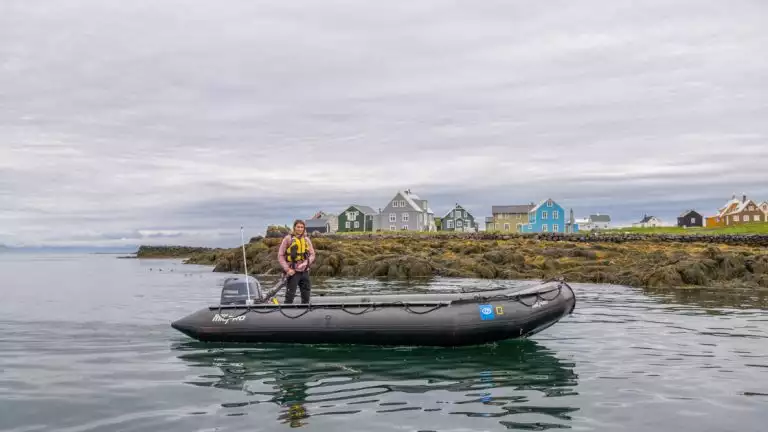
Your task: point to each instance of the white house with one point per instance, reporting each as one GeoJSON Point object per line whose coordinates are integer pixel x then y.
{"type": "Point", "coordinates": [594, 222]}
{"type": "Point", "coordinates": [647, 222]}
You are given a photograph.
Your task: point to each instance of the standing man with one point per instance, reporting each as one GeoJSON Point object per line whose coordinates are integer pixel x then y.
{"type": "Point", "coordinates": [296, 254]}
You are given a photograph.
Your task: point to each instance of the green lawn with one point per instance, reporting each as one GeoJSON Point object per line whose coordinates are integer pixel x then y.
{"type": "Point", "coordinates": [749, 228]}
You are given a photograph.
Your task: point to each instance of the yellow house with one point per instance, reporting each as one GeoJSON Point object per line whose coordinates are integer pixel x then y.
{"type": "Point", "coordinates": [508, 218]}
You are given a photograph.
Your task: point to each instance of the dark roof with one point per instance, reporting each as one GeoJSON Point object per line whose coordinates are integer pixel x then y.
{"type": "Point", "coordinates": [364, 209]}
{"type": "Point", "coordinates": [687, 212]}
{"type": "Point", "coordinates": [525, 208]}
{"type": "Point", "coordinates": [600, 218]}
{"type": "Point", "coordinates": [457, 207]}
{"type": "Point", "coordinates": [646, 219]}
{"type": "Point", "coordinates": [316, 223]}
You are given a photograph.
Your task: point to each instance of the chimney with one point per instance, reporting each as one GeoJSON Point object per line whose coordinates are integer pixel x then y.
{"type": "Point", "coordinates": [744, 198]}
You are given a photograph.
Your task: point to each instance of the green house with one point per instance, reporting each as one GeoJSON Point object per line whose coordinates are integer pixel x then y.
{"type": "Point", "coordinates": [459, 219]}
{"type": "Point", "coordinates": [358, 218]}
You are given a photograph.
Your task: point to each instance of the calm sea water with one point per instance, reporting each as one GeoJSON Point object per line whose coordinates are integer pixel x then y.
{"type": "Point", "coordinates": [85, 345]}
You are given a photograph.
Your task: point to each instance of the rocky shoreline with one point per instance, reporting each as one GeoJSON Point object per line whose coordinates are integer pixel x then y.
{"type": "Point", "coordinates": [638, 260]}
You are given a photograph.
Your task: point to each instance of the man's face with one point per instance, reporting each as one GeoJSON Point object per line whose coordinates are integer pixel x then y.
{"type": "Point", "coordinates": [299, 229]}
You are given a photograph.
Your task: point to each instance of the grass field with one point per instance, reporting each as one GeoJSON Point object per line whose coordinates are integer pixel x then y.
{"type": "Point", "coordinates": [749, 228]}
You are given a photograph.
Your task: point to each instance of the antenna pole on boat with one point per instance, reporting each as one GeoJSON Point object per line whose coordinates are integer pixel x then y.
{"type": "Point", "coordinates": [245, 268]}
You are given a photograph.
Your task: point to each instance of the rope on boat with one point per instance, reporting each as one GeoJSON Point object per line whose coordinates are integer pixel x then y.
{"type": "Point", "coordinates": [407, 307]}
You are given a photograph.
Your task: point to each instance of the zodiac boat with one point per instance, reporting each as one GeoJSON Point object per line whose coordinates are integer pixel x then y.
{"type": "Point", "coordinates": [454, 319]}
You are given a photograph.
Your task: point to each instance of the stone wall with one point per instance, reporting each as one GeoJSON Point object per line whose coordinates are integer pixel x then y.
{"type": "Point", "coordinates": [756, 240]}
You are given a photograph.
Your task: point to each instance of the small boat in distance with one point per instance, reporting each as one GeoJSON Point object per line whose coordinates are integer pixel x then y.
{"type": "Point", "coordinates": [465, 318]}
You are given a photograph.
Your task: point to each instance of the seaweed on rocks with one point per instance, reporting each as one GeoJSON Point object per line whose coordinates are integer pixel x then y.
{"type": "Point", "coordinates": [628, 260]}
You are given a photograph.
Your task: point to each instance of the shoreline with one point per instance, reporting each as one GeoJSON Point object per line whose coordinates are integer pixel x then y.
{"type": "Point", "coordinates": [636, 260]}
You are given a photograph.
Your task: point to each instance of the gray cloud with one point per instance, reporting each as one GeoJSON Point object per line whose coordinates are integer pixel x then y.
{"type": "Point", "coordinates": [188, 119]}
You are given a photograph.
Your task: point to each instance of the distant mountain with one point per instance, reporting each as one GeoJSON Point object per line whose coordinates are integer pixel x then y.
{"type": "Point", "coordinates": [70, 249]}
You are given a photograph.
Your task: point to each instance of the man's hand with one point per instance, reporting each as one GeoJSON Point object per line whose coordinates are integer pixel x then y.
{"type": "Point", "coordinates": [290, 272]}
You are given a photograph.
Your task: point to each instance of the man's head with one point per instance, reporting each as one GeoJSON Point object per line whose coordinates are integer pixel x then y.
{"type": "Point", "coordinates": [298, 227]}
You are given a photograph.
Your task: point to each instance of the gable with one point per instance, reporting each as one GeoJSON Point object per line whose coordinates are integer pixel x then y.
{"type": "Point", "coordinates": [547, 204]}
{"type": "Point", "coordinates": [690, 213]}
{"type": "Point", "coordinates": [450, 214]}
{"type": "Point", "coordinates": [745, 207]}
{"type": "Point", "coordinates": [403, 202]}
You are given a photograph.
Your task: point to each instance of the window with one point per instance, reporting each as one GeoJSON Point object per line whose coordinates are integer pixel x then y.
{"type": "Point", "coordinates": [457, 213]}
{"type": "Point", "coordinates": [693, 220]}
{"type": "Point", "coordinates": [402, 203]}
{"type": "Point", "coordinates": [405, 227]}
{"type": "Point", "coordinates": [405, 217]}
{"type": "Point", "coordinates": [458, 223]}
{"type": "Point", "coordinates": [392, 217]}
{"type": "Point", "coordinates": [549, 203]}
{"type": "Point", "coordinates": [544, 228]}
{"type": "Point", "coordinates": [346, 224]}
{"type": "Point", "coordinates": [736, 218]}
{"type": "Point", "coordinates": [756, 218]}
{"type": "Point", "coordinates": [555, 214]}
{"type": "Point", "coordinates": [543, 215]}
{"type": "Point", "coordinates": [449, 224]}
{"type": "Point", "coordinates": [519, 227]}
{"type": "Point", "coordinates": [392, 228]}
{"type": "Point", "coordinates": [555, 228]}
{"type": "Point", "coordinates": [357, 224]}
{"type": "Point", "coordinates": [506, 227]}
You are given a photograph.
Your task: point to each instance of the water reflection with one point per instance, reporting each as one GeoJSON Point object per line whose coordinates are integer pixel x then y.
{"type": "Point", "coordinates": [713, 297]}
{"type": "Point", "coordinates": [495, 381]}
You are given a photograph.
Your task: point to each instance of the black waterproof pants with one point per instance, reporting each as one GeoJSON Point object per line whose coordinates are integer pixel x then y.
{"type": "Point", "coordinates": [300, 280]}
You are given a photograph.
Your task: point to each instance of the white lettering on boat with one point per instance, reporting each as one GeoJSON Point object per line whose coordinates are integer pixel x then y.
{"type": "Point", "coordinates": [227, 319]}
{"type": "Point", "coordinates": [539, 303]}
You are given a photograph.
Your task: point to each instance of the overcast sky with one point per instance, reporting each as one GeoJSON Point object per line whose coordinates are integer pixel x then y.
{"type": "Point", "coordinates": [130, 122]}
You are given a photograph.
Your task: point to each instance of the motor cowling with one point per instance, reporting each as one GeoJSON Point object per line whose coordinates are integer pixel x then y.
{"type": "Point", "coordinates": [235, 290]}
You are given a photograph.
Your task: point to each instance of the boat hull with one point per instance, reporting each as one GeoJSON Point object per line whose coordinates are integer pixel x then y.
{"type": "Point", "coordinates": [423, 320]}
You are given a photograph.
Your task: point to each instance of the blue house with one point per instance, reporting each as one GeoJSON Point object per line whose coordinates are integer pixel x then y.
{"type": "Point", "coordinates": [549, 216]}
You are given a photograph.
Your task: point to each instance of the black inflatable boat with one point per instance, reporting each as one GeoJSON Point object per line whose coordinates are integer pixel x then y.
{"type": "Point", "coordinates": [411, 319]}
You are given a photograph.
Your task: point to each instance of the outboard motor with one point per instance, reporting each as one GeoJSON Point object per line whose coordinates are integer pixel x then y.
{"type": "Point", "coordinates": [235, 291]}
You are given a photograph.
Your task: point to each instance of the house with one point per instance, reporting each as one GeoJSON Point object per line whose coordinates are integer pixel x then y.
{"type": "Point", "coordinates": [458, 219]}
{"type": "Point", "coordinates": [746, 211]}
{"type": "Point", "coordinates": [406, 211]}
{"type": "Point", "coordinates": [764, 207]}
{"type": "Point", "coordinates": [358, 218]}
{"type": "Point", "coordinates": [508, 217]}
{"type": "Point", "coordinates": [719, 219]}
{"type": "Point", "coordinates": [647, 222]}
{"type": "Point", "coordinates": [314, 226]}
{"type": "Point", "coordinates": [322, 222]}
{"type": "Point", "coordinates": [690, 218]}
{"type": "Point", "coordinates": [594, 222]}
{"type": "Point", "coordinates": [547, 216]}
{"type": "Point", "coordinates": [736, 212]}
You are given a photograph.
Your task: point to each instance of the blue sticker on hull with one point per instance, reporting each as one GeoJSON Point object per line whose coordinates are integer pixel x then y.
{"type": "Point", "coordinates": [486, 312]}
